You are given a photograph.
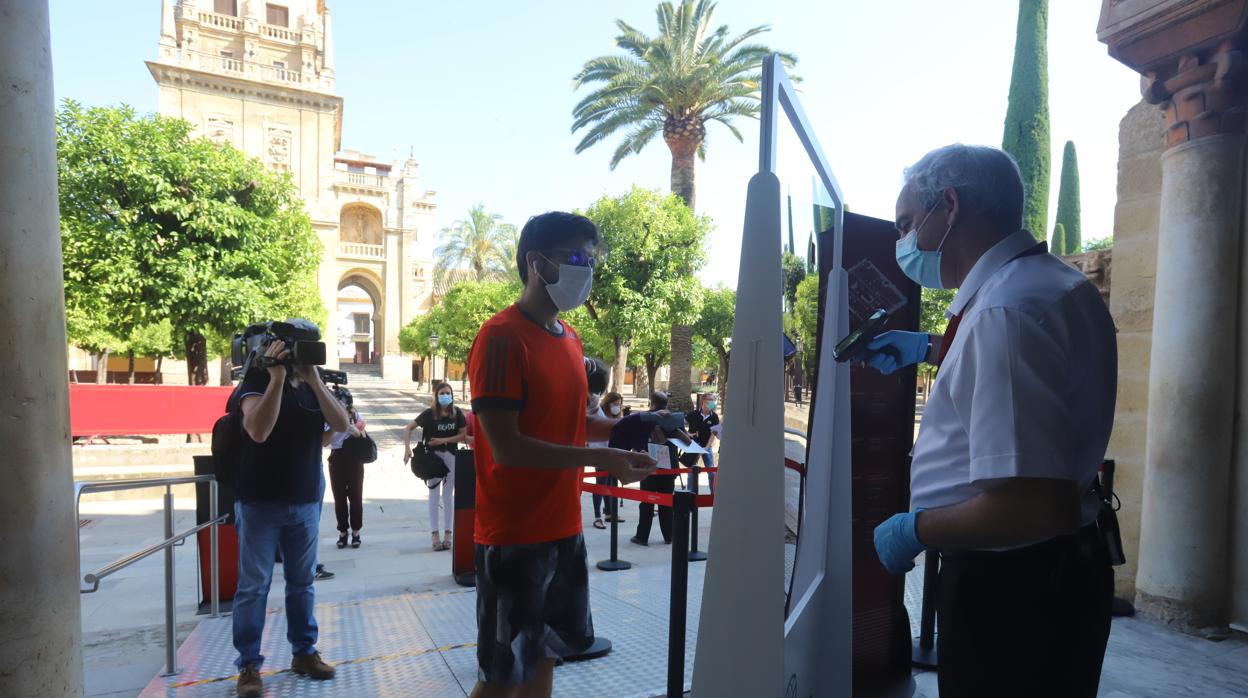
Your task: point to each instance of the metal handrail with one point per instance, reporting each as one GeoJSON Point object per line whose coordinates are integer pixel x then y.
{"type": "Point", "coordinates": [171, 539]}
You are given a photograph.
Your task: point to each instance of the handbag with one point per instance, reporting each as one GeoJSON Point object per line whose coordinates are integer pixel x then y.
{"type": "Point", "coordinates": [427, 466]}
{"type": "Point", "coordinates": [361, 449]}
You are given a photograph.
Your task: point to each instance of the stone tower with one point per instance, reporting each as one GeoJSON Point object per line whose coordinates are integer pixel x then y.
{"type": "Point", "coordinates": [260, 76]}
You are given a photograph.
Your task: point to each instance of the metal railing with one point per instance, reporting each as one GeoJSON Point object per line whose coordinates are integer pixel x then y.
{"type": "Point", "coordinates": [171, 539]}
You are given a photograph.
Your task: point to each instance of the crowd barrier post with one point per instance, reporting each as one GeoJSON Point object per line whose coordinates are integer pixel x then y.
{"type": "Point", "coordinates": [614, 564]}
{"type": "Point", "coordinates": [695, 555]}
{"type": "Point", "coordinates": [684, 503]}
{"type": "Point", "coordinates": [924, 655]}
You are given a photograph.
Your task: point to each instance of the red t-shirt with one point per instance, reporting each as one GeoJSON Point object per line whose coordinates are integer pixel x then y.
{"type": "Point", "coordinates": [516, 364]}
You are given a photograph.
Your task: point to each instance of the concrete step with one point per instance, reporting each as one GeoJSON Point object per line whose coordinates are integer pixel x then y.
{"type": "Point", "coordinates": [125, 455]}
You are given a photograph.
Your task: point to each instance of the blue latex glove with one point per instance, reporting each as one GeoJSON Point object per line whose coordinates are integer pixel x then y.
{"type": "Point", "coordinates": [896, 349]}
{"type": "Point", "coordinates": [897, 542]}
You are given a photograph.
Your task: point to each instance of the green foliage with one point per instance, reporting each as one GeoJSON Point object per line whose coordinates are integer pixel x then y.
{"type": "Point", "coordinates": [159, 227]}
{"type": "Point", "coordinates": [671, 84]}
{"type": "Point", "coordinates": [481, 243]}
{"type": "Point", "coordinates": [1094, 244]}
{"type": "Point", "coordinates": [1027, 118]}
{"type": "Point", "coordinates": [704, 355]}
{"type": "Point", "coordinates": [1058, 244]}
{"type": "Point", "coordinates": [935, 301]}
{"type": "Point", "coordinates": [1068, 210]}
{"type": "Point", "coordinates": [595, 342]}
{"type": "Point", "coordinates": [793, 268]}
{"type": "Point", "coordinates": [458, 318]}
{"type": "Point", "coordinates": [806, 311]}
{"type": "Point", "coordinates": [645, 282]}
{"type": "Point", "coordinates": [714, 323]}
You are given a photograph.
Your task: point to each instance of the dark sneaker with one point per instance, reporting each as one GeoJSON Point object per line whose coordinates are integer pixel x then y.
{"type": "Point", "coordinates": [311, 665]}
{"type": "Point", "coordinates": [355, 540]}
{"type": "Point", "coordinates": [322, 574]}
{"type": "Point", "coordinates": [342, 539]}
{"type": "Point", "coordinates": [249, 683]}
{"type": "Point", "coordinates": [639, 541]}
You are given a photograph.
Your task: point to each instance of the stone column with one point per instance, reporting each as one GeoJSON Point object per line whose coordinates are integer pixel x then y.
{"type": "Point", "coordinates": [394, 366]}
{"type": "Point", "coordinates": [40, 622]}
{"type": "Point", "coordinates": [1190, 54]}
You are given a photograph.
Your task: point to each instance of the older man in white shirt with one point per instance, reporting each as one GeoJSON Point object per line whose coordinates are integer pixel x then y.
{"type": "Point", "coordinates": [1011, 440]}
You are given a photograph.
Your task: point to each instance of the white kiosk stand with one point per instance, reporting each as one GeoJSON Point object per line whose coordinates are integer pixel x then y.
{"type": "Point", "coordinates": [746, 645]}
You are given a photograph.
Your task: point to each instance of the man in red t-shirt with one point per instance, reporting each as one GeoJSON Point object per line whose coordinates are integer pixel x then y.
{"type": "Point", "coordinates": [528, 394]}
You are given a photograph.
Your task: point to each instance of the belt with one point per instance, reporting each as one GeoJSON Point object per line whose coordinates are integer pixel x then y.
{"type": "Point", "coordinates": [1087, 542]}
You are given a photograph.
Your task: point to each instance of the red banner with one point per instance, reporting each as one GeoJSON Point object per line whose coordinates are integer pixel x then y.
{"type": "Point", "coordinates": [117, 410]}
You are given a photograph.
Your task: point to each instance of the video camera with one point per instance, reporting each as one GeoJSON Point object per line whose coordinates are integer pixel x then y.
{"type": "Point", "coordinates": [302, 338]}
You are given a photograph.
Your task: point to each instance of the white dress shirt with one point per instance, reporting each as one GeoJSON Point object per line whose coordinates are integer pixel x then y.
{"type": "Point", "coordinates": [1027, 387]}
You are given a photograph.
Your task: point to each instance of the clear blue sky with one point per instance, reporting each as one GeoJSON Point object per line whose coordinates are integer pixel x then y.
{"type": "Point", "coordinates": [482, 92]}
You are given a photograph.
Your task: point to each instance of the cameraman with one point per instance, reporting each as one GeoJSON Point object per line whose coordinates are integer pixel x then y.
{"type": "Point", "coordinates": [280, 488]}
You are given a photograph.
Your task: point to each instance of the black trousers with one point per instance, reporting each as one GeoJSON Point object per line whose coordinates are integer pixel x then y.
{"type": "Point", "coordinates": [656, 483]}
{"type": "Point", "coordinates": [346, 481]}
{"type": "Point", "coordinates": [1026, 622]}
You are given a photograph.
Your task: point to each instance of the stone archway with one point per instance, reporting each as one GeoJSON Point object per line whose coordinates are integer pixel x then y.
{"type": "Point", "coordinates": [350, 305]}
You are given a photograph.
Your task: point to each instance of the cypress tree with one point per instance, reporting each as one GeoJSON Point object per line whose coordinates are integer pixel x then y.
{"type": "Point", "coordinates": [1027, 118]}
{"type": "Point", "coordinates": [1068, 199]}
{"type": "Point", "coordinates": [1058, 245]}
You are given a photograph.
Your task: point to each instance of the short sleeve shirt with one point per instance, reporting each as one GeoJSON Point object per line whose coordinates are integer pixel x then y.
{"type": "Point", "coordinates": [286, 468]}
{"type": "Point", "coordinates": [339, 437]}
{"type": "Point", "coordinates": [518, 365]}
{"type": "Point", "coordinates": [1028, 386]}
{"type": "Point", "coordinates": [432, 427]}
{"type": "Point", "coordinates": [700, 426]}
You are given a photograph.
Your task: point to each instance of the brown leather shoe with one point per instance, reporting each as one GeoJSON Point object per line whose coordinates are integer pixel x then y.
{"type": "Point", "coordinates": [249, 683]}
{"type": "Point", "coordinates": [311, 665]}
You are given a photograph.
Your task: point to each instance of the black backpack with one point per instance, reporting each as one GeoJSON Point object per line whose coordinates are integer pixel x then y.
{"type": "Point", "coordinates": [227, 441]}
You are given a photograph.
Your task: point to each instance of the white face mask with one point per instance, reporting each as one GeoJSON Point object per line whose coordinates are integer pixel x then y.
{"type": "Point", "coordinates": [573, 287]}
{"type": "Point", "coordinates": [615, 410]}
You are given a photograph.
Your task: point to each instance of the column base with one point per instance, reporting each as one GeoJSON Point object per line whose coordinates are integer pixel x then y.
{"type": "Point", "coordinates": [1182, 616]}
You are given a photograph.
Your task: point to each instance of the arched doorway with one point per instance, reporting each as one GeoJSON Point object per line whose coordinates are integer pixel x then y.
{"type": "Point", "coordinates": [358, 317]}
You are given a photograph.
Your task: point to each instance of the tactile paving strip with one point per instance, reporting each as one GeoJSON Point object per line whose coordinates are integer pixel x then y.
{"type": "Point", "coordinates": [424, 644]}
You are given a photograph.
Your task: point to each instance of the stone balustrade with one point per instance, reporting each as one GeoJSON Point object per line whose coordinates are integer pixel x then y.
{"type": "Point", "coordinates": [361, 250]}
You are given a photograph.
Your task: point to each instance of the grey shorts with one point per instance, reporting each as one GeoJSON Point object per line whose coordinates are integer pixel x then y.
{"type": "Point", "coordinates": [532, 603]}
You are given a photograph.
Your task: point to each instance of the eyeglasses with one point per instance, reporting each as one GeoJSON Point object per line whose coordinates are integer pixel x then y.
{"type": "Point", "coordinates": [577, 258]}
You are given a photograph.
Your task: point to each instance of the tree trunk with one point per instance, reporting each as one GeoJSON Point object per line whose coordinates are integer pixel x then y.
{"type": "Point", "coordinates": [619, 367]}
{"type": "Point", "coordinates": [724, 357]}
{"type": "Point", "coordinates": [641, 387]}
{"type": "Point", "coordinates": [130, 368]}
{"type": "Point", "coordinates": [679, 385]}
{"type": "Point", "coordinates": [160, 364]}
{"type": "Point", "coordinates": [684, 148]}
{"type": "Point", "coordinates": [225, 371]}
{"type": "Point", "coordinates": [652, 368]}
{"type": "Point", "coordinates": [101, 367]}
{"type": "Point", "coordinates": [196, 358]}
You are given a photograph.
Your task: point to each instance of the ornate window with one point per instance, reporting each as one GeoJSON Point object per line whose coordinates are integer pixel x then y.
{"type": "Point", "coordinates": [276, 15]}
{"type": "Point", "coordinates": [277, 148]}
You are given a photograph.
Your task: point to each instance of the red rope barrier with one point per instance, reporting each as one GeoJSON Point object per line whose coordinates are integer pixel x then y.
{"type": "Point", "coordinates": [661, 471]}
{"type": "Point", "coordinates": [660, 498]}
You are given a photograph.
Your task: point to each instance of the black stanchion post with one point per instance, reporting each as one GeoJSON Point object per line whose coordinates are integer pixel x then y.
{"type": "Point", "coordinates": [683, 504]}
{"type": "Point", "coordinates": [695, 555]}
{"type": "Point", "coordinates": [614, 564]}
{"type": "Point", "coordinates": [924, 653]}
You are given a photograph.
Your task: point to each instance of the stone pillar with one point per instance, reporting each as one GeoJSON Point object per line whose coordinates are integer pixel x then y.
{"type": "Point", "coordinates": [40, 622]}
{"type": "Point", "coordinates": [394, 366]}
{"type": "Point", "coordinates": [1190, 55]}
{"type": "Point", "coordinates": [168, 32]}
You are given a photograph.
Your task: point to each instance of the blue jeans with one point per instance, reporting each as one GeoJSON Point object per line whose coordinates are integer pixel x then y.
{"type": "Point", "coordinates": [262, 528]}
{"type": "Point", "coordinates": [708, 459]}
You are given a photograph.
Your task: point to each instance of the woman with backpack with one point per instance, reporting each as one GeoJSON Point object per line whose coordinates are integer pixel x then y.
{"type": "Point", "coordinates": [442, 428]}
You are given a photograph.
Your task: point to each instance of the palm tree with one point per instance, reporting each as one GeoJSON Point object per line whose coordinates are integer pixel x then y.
{"type": "Point", "coordinates": [482, 243]}
{"type": "Point", "coordinates": [673, 83]}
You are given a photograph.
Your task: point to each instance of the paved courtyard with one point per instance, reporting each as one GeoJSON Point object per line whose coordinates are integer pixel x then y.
{"type": "Point", "coordinates": [397, 624]}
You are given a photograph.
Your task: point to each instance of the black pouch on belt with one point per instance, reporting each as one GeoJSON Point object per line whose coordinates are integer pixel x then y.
{"type": "Point", "coordinates": [1107, 517]}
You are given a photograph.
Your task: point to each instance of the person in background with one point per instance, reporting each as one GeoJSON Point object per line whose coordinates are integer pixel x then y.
{"type": "Point", "coordinates": [442, 427]}
{"type": "Point", "coordinates": [610, 407]}
{"type": "Point", "coordinates": [665, 484]}
{"type": "Point", "coordinates": [346, 476]}
{"type": "Point", "coordinates": [702, 425]}
{"type": "Point", "coordinates": [1014, 432]}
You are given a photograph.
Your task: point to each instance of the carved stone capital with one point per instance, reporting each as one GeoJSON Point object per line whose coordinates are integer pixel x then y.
{"type": "Point", "coordinates": [1191, 57]}
{"type": "Point", "coordinates": [1203, 94]}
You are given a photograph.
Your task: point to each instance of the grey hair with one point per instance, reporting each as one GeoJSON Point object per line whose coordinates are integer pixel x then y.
{"type": "Point", "coordinates": [986, 179]}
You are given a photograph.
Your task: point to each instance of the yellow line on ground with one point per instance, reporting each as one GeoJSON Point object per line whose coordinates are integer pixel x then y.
{"type": "Point", "coordinates": [345, 662]}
